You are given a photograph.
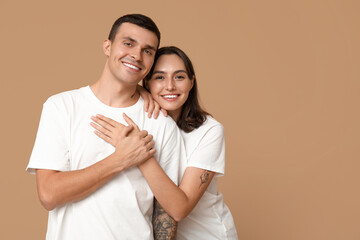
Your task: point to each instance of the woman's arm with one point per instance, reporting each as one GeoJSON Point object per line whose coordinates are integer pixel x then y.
{"type": "Point", "coordinates": [177, 201]}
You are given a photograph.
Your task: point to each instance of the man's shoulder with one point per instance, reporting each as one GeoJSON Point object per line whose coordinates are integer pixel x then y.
{"type": "Point", "coordinates": [163, 128]}
{"type": "Point", "coordinates": [161, 122]}
{"type": "Point", "coordinates": [65, 96]}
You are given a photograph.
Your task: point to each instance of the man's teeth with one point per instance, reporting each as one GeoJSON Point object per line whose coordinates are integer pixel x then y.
{"type": "Point", "coordinates": [170, 96]}
{"type": "Point", "coordinates": [131, 66]}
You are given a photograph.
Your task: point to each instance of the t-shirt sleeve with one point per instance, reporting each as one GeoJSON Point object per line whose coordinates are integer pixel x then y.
{"type": "Point", "coordinates": [210, 153]}
{"type": "Point", "coordinates": [172, 155]}
{"type": "Point", "coordinates": [51, 148]}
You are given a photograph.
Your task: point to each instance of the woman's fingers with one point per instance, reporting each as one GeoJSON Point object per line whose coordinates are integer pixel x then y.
{"type": "Point", "coordinates": [145, 95]}
{"type": "Point", "coordinates": [151, 107]}
{"type": "Point", "coordinates": [100, 129]}
{"type": "Point", "coordinates": [130, 121]}
{"type": "Point", "coordinates": [103, 136]}
{"type": "Point", "coordinates": [164, 112]}
{"type": "Point", "coordinates": [156, 110]}
{"type": "Point", "coordinates": [109, 121]}
{"type": "Point", "coordinates": [103, 123]}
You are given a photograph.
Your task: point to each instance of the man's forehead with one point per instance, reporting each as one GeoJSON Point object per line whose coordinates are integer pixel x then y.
{"type": "Point", "coordinates": [138, 34]}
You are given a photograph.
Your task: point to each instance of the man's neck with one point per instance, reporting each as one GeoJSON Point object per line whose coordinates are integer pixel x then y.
{"type": "Point", "coordinates": [115, 94]}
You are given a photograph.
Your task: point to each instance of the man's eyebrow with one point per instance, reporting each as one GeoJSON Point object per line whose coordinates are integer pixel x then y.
{"type": "Point", "coordinates": [130, 39]}
{"type": "Point", "coordinates": [147, 46]}
{"type": "Point", "coordinates": [150, 47]}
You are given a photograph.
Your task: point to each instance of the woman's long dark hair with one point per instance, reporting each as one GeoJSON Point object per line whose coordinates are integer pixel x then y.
{"type": "Point", "coordinates": [192, 115]}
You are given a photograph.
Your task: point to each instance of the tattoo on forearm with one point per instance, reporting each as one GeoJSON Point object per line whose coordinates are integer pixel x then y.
{"type": "Point", "coordinates": [164, 226]}
{"type": "Point", "coordinates": [204, 177]}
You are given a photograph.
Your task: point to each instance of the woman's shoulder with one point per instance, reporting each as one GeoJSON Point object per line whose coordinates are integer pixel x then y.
{"type": "Point", "coordinates": [211, 123]}
{"type": "Point", "coordinates": [210, 127]}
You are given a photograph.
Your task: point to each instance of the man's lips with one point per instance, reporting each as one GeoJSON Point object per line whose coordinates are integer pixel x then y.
{"type": "Point", "coordinates": [132, 66]}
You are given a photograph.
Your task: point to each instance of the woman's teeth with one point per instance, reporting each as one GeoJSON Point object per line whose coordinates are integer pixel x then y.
{"type": "Point", "coordinates": [170, 96]}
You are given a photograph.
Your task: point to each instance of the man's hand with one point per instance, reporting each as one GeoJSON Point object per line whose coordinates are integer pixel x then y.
{"type": "Point", "coordinates": [132, 145]}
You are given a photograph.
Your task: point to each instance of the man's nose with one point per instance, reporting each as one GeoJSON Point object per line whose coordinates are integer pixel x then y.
{"type": "Point", "coordinates": [136, 54]}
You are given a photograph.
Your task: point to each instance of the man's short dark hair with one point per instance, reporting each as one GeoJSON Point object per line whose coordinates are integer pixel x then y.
{"type": "Point", "coordinates": [137, 19]}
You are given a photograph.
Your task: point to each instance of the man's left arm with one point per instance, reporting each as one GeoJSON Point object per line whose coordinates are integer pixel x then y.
{"type": "Point", "coordinates": [164, 226]}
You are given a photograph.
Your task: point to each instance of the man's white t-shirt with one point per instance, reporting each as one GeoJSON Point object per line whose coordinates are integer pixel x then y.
{"type": "Point", "coordinates": [122, 208]}
{"type": "Point", "coordinates": [210, 219]}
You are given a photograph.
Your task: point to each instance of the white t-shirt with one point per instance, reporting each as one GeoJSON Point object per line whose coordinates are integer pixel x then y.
{"type": "Point", "coordinates": [122, 208]}
{"type": "Point", "coordinates": [211, 218]}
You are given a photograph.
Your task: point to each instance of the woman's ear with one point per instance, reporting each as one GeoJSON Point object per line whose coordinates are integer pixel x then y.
{"type": "Point", "coordinates": [146, 83]}
{"type": "Point", "coordinates": [192, 81]}
{"type": "Point", "coordinates": [107, 47]}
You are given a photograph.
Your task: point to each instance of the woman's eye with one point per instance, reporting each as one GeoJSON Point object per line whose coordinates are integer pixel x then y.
{"type": "Point", "coordinates": [179, 77]}
{"type": "Point", "coordinates": [159, 77]}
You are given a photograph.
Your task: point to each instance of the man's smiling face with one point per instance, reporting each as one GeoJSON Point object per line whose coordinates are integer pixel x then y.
{"type": "Point", "coordinates": [131, 54]}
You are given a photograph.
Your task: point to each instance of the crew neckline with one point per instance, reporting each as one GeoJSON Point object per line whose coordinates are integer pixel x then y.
{"type": "Point", "coordinates": [100, 103]}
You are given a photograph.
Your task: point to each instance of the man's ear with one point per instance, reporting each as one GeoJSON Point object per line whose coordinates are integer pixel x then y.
{"type": "Point", "coordinates": [107, 47]}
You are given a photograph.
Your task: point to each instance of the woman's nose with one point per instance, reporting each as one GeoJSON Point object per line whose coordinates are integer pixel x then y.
{"type": "Point", "coordinates": [170, 86]}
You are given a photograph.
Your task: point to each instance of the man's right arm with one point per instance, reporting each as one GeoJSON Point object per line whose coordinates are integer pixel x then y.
{"type": "Point", "coordinates": [56, 188]}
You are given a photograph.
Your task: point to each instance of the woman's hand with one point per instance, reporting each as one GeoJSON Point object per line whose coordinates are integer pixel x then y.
{"type": "Point", "coordinates": [150, 104]}
{"type": "Point", "coordinates": [133, 146]}
{"type": "Point", "coordinates": [110, 130]}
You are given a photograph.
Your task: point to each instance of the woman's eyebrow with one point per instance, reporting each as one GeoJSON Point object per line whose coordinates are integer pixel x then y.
{"type": "Point", "coordinates": [179, 71]}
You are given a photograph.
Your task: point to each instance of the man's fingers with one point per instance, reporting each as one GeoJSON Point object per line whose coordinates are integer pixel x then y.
{"type": "Point", "coordinates": [152, 151]}
{"type": "Point", "coordinates": [150, 145]}
{"type": "Point", "coordinates": [143, 133]}
{"type": "Point", "coordinates": [126, 130]}
{"type": "Point", "coordinates": [148, 138]}
{"type": "Point", "coordinates": [130, 121]}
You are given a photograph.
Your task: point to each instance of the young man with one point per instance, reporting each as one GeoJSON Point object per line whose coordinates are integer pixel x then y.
{"type": "Point", "coordinates": [92, 190]}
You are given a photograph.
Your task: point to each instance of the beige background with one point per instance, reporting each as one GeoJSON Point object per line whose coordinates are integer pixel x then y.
{"type": "Point", "coordinates": [282, 76]}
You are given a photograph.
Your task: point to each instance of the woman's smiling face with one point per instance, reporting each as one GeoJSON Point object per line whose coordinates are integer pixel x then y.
{"type": "Point", "coordinates": [170, 84]}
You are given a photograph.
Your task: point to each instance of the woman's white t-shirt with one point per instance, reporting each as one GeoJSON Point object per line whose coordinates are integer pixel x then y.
{"type": "Point", "coordinates": [211, 218]}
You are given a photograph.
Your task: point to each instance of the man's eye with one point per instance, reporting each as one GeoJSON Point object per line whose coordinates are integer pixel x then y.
{"type": "Point", "coordinates": [148, 52]}
{"type": "Point", "coordinates": [127, 44]}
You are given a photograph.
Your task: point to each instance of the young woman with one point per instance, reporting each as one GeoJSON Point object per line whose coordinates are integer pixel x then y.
{"type": "Point", "coordinates": [196, 202]}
